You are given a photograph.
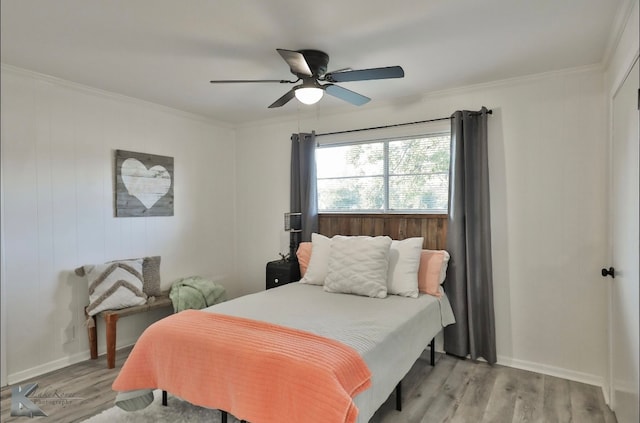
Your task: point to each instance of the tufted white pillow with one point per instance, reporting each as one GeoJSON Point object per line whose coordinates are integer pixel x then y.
{"type": "Point", "coordinates": [358, 265]}
{"type": "Point", "coordinates": [404, 261]}
{"type": "Point", "coordinates": [317, 268]}
{"type": "Point", "coordinates": [113, 286]}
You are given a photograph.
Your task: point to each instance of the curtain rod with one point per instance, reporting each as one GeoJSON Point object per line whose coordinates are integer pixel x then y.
{"type": "Point", "coordinates": [490, 112]}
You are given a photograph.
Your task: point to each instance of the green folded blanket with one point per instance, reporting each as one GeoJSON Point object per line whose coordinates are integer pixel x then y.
{"type": "Point", "coordinates": [195, 292]}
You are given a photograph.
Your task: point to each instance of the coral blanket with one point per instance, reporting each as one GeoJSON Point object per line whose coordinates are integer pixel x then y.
{"type": "Point", "coordinates": [256, 371]}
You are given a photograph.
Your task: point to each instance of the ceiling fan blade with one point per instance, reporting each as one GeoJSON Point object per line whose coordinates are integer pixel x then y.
{"type": "Point", "coordinates": [296, 61]}
{"type": "Point", "coordinates": [346, 95]}
{"type": "Point", "coordinates": [237, 81]}
{"type": "Point", "coordinates": [339, 70]}
{"type": "Point", "coordinates": [365, 74]}
{"type": "Point", "coordinates": [283, 100]}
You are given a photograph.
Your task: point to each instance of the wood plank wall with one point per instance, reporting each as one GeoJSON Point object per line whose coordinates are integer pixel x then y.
{"type": "Point", "coordinates": [432, 227]}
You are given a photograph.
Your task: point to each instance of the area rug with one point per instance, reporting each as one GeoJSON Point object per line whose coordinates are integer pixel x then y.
{"type": "Point", "coordinates": [177, 411]}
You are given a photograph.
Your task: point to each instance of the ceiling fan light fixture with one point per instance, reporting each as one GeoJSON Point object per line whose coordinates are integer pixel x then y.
{"type": "Point", "coordinates": [309, 95]}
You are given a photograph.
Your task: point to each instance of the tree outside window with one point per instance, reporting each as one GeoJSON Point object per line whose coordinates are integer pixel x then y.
{"type": "Point", "coordinates": [399, 175]}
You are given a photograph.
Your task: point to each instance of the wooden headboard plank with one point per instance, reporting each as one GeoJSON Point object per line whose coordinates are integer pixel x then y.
{"type": "Point", "coordinates": [432, 227]}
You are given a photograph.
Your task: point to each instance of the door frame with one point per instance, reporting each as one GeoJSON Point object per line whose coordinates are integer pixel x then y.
{"type": "Point", "coordinates": [609, 392]}
{"type": "Point", "coordinates": [3, 289]}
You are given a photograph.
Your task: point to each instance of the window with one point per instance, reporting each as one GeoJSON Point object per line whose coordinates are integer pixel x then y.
{"type": "Point", "coordinates": [395, 175]}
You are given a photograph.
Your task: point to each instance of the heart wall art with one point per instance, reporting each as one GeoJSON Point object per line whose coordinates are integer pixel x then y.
{"type": "Point", "coordinates": [144, 184]}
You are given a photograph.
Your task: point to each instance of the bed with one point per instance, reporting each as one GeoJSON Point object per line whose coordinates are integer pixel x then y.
{"type": "Point", "coordinates": [377, 329]}
{"type": "Point", "coordinates": [388, 334]}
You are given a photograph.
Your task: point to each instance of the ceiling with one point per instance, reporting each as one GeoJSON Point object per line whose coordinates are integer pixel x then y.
{"type": "Point", "coordinates": [166, 51]}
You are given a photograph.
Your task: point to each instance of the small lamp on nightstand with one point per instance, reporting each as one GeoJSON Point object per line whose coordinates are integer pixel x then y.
{"type": "Point", "coordinates": [293, 225]}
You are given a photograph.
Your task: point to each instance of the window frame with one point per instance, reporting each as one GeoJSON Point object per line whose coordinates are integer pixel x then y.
{"type": "Point", "coordinates": [385, 175]}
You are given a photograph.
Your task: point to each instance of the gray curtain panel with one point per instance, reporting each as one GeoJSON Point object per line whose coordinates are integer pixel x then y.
{"type": "Point", "coordinates": [304, 197]}
{"type": "Point", "coordinates": [469, 283]}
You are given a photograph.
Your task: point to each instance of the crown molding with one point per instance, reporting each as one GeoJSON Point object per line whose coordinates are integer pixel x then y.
{"type": "Point", "coordinates": [316, 113]}
{"type": "Point", "coordinates": [620, 22]}
{"type": "Point", "coordinates": [26, 73]}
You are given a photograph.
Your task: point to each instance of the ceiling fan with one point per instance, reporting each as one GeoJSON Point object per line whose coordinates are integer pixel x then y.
{"type": "Point", "coordinates": [310, 66]}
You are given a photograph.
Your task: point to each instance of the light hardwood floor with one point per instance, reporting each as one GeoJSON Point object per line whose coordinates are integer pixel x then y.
{"type": "Point", "coordinates": [452, 391]}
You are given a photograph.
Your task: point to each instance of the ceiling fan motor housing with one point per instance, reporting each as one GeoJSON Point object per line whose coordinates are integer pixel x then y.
{"type": "Point", "coordinates": [317, 61]}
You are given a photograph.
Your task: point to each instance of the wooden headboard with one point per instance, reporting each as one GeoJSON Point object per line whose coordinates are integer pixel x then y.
{"type": "Point", "coordinates": [432, 227]}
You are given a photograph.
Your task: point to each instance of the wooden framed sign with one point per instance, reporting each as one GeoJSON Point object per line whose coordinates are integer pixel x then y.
{"type": "Point", "coordinates": [144, 184]}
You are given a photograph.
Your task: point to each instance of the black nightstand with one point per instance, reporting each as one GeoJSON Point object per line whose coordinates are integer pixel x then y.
{"type": "Point", "coordinates": [281, 272]}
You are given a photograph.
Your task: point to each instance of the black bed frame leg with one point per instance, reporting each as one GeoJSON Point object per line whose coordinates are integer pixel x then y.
{"type": "Point", "coordinates": [223, 417]}
{"type": "Point", "coordinates": [399, 396]}
{"type": "Point", "coordinates": [432, 348]}
{"type": "Point", "coordinates": [164, 398]}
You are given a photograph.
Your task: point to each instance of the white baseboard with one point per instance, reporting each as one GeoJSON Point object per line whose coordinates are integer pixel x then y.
{"type": "Point", "coordinates": [22, 375]}
{"type": "Point", "coordinates": [587, 378]}
{"type": "Point", "coordinates": [36, 371]}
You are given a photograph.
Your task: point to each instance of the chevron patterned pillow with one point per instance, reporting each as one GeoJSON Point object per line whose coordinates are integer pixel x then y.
{"type": "Point", "coordinates": [113, 286]}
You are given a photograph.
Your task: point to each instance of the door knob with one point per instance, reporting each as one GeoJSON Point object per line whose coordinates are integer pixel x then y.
{"type": "Point", "coordinates": [609, 272]}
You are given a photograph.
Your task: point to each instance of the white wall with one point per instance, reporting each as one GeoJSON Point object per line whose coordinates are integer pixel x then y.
{"type": "Point", "coordinates": [549, 225]}
{"type": "Point", "coordinates": [58, 142]}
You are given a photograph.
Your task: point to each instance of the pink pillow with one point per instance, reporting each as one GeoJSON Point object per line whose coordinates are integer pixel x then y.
{"type": "Point", "coordinates": [432, 271]}
{"type": "Point", "coordinates": [304, 255]}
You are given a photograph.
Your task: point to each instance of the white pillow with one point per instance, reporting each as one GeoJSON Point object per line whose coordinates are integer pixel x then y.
{"type": "Point", "coordinates": [404, 261]}
{"type": "Point", "coordinates": [318, 264]}
{"type": "Point", "coordinates": [113, 286]}
{"type": "Point", "coordinates": [358, 265]}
